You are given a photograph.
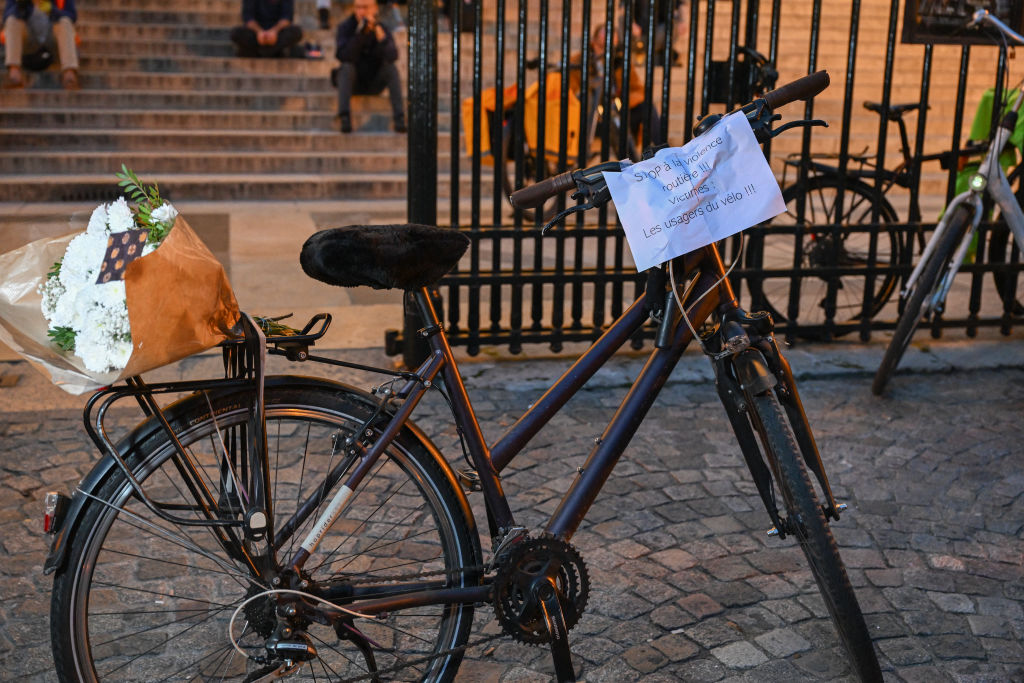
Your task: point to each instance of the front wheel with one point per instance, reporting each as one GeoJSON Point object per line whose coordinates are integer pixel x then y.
{"type": "Point", "coordinates": [930, 276]}
{"type": "Point", "coordinates": [806, 521]}
{"type": "Point", "coordinates": [143, 599]}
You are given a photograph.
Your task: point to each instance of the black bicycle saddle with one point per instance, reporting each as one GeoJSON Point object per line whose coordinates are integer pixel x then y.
{"type": "Point", "coordinates": [406, 256]}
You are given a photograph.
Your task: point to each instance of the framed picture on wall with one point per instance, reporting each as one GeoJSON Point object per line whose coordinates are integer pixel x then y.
{"type": "Point", "coordinates": [943, 22]}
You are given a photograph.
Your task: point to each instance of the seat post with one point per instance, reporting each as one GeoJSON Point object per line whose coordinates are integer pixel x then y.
{"type": "Point", "coordinates": [422, 310]}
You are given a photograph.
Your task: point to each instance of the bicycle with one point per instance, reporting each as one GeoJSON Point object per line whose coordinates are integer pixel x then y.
{"type": "Point", "coordinates": [264, 527]}
{"type": "Point", "coordinates": [834, 250]}
{"type": "Point", "coordinates": [925, 290]}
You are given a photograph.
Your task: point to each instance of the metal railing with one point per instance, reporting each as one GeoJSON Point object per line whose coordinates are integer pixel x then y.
{"type": "Point", "coordinates": [512, 67]}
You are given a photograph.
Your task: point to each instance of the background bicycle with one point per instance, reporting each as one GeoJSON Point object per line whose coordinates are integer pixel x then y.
{"type": "Point", "coordinates": [849, 269]}
{"type": "Point", "coordinates": [925, 291]}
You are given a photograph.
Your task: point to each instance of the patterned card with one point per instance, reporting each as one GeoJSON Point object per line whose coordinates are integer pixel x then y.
{"type": "Point", "coordinates": [122, 249]}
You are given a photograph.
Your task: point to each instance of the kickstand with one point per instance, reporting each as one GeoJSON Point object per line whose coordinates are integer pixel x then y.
{"type": "Point", "coordinates": [547, 594]}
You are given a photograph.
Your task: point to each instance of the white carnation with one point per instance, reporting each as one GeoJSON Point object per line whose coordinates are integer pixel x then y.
{"type": "Point", "coordinates": [98, 221]}
{"type": "Point", "coordinates": [119, 216]}
{"type": "Point", "coordinates": [83, 260]}
{"type": "Point", "coordinates": [165, 213]}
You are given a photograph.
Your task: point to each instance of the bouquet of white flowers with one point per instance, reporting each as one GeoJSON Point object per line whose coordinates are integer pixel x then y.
{"type": "Point", "coordinates": [84, 298]}
{"type": "Point", "coordinates": [136, 290]}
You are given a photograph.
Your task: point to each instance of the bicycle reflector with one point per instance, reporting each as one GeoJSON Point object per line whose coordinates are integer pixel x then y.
{"type": "Point", "coordinates": [55, 505]}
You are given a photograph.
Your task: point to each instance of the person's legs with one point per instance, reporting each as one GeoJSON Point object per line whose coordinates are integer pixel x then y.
{"type": "Point", "coordinates": [14, 48]}
{"type": "Point", "coordinates": [64, 35]}
{"type": "Point", "coordinates": [287, 38]}
{"type": "Point", "coordinates": [346, 81]}
{"type": "Point", "coordinates": [244, 39]}
{"type": "Point", "coordinates": [387, 77]}
{"type": "Point", "coordinates": [323, 11]}
{"type": "Point", "coordinates": [67, 52]}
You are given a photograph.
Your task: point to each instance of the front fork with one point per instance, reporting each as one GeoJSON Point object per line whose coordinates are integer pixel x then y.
{"type": "Point", "coordinates": [757, 368]}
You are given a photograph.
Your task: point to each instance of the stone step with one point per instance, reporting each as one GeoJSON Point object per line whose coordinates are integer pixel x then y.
{"type": "Point", "coordinates": [137, 47]}
{"type": "Point", "coordinates": [198, 15]}
{"type": "Point", "coordinates": [198, 119]}
{"type": "Point", "coordinates": [171, 100]}
{"type": "Point", "coordinates": [174, 33]}
{"type": "Point", "coordinates": [158, 141]}
{"type": "Point", "coordinates": [162, 164]}
{"type": "Point", "coordinates": [113, 61]}
{"type": "Point", "coordinates": [211, 187]}
{"type": "Point", "coordinates": [139, 81]}
{"type": "Point", "coordinates": [302, 7]}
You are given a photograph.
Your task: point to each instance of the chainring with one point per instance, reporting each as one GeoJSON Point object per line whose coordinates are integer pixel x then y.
{"type": "Point", "coordinates": [518, 612]}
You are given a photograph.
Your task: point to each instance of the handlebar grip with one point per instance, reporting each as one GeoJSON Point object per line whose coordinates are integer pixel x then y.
{"type": "Point", "coordinates": [801, 89]}
{"type": "Point", "coordinates": [532, 196]}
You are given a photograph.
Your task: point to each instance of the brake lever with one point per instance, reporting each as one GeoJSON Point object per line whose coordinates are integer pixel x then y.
{"type": "Point", "coordinates": [805, 123]}
{"type": "Point", "coordinates": [594, 189]}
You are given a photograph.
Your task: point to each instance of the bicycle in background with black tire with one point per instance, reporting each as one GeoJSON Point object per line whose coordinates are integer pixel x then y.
{"type": "Point", "coordinates": [288, 527]}
{"type": "Point", "coordinates": [925, 290]}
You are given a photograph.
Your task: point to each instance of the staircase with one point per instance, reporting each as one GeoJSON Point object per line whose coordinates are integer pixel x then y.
{"type": "Point", "coordinates": [163, 93]}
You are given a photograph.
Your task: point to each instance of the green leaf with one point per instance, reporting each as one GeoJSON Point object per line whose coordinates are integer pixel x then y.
{"type": "Point", "coordinates": [55, 269]}
{"type": "Point", "coordinates": [64, 337]}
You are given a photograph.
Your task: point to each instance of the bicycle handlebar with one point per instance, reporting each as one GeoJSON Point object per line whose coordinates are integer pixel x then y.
{"type": "Point", "coordinates": [533, 196]}
{"type": "Point", "coordinates": [983, 16]}
{"type": "Point", "coordinates": [801, 89]}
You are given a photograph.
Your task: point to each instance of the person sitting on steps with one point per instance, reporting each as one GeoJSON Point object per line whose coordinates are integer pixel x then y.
{"type": "Point", "coordinates": [367, 52]}
{"type": "Point", "coordinates": [33, 27]}
{"type": "Point", "coordinates": [268, 29]}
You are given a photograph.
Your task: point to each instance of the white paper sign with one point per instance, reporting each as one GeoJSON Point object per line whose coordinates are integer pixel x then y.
{"type": "Point", "coordinates": [687, 197]}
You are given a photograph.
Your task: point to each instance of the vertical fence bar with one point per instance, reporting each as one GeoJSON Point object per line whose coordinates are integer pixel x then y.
{"type": "Point", "coordinates": [709, 43]}
{"type": "Point", "coordinates": [500, 161]}
{"type": "Point", "coordinates": [537, 287]}
{"type": "Point", "coordinates": [793, 307]}
{"type": "Point", "coordinates": [582, 157]}
{"type": "Point", "coordinates": [454, 169]}
{"type": "Point", "coordinates": [421, 155]}
{"type": "Point", "coordinates": [558, 284]}
{"type": "Point", "coordinates": [475, 287]}
{"type": "Point", "coordinates": [914, 215]}
{"type": "Point", "coordinates": [517, 137]}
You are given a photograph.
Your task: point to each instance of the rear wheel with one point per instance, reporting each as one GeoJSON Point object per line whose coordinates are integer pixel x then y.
{"type": "Point", "coordinates": [923, 289]}
{"type": "Point", "coordinates": [144, 599]}
{"type": "Point", "coordinates": [806, 521]}
{"type": "Point", "coordinates": [822, 295]}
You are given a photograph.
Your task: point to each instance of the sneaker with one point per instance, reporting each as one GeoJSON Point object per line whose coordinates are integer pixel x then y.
{"type": "Point", "coordinates": [399, 125]}
{"type": "Point", "coordinates": [325, 18]}
{"type": "Point", "coordinates": [346, 122]}
{"type": "Point", "coordinates": [69, 79]}
{"type": "Point", "coordinates": [15, 78]}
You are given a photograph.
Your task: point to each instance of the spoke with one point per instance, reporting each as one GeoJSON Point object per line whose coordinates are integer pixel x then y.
{"type": "Point", "coordinates": [223, 653]}
{"type": "Point", "coordinates": [339, 652]}
{"type": "Point", "coordinates": [362, 524]}
{"type": "Point", "coordinates": [162, 561]}
{"type": "Point", "coordinates": [161, 644]}
{"type": "Point", "coordinates": [374, 546]}
{"type": "Point", "coordinates": [181, 541]}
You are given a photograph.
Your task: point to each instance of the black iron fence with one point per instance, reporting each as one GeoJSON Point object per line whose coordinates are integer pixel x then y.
{"type": "Point", "coordinates": [512, 92]}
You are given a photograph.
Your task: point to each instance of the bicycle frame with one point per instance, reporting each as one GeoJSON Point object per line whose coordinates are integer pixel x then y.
{"type": "Point", "coordinates": [708, 294]}
{"type": "Point", "coordinates": [990, 179]}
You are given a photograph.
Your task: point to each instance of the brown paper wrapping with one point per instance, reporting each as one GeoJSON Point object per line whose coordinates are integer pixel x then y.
{"type": "Point", "coordinates": [179, 303]}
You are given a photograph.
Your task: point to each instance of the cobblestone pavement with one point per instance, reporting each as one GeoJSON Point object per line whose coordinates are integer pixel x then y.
{"type": "Point", "coordinates": [685, 583]}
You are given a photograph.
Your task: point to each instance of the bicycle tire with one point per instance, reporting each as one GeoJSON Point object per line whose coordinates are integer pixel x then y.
{"type": "Point", "coordinates": [807, 523]}
{"type": "Point", "coordinates": [911, 315]}
{"type": "Point", "coordinates": [818, 250]}
{"type": "Point", "coordinates": [135, 602]}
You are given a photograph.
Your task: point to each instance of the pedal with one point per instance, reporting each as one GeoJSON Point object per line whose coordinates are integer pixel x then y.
{"type": "Point", "coordinates": [470, 480]}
